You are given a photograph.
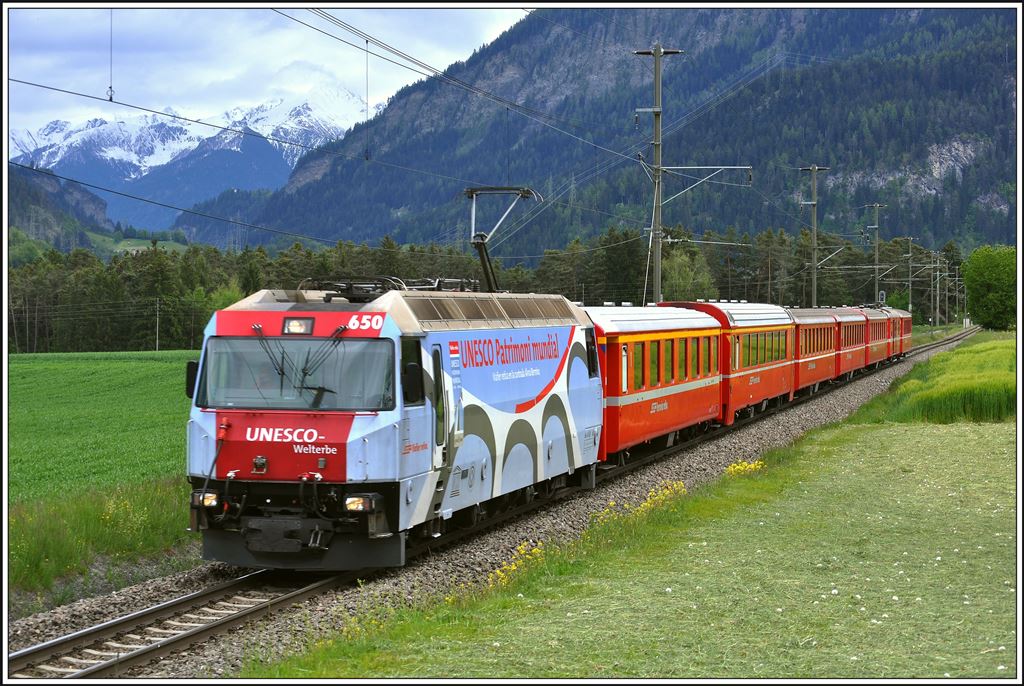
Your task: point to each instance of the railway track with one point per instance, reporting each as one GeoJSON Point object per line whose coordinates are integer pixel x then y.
{"type": "Point", "coordinates": [111, 648]}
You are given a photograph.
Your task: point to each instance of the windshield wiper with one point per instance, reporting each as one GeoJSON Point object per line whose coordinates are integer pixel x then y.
{"type": "Point", "coordinates": [319, 397]}
{"type": "Point", "coordinates": [323, 352]}
{"type": "Point", "coordinates": [278, 366]}
{"type": "Point", "coordinates": [315, 360]}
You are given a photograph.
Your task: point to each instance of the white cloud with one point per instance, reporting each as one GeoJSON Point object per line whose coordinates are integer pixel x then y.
{"type": "Point", "coordinates": [203, 61]}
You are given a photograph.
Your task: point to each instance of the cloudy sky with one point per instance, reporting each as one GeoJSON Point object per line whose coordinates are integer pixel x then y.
{"type": "Point", "coordinates": [204, 61]}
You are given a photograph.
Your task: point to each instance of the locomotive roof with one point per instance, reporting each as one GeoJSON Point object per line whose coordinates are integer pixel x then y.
{"type": "Point", "coordinates": [417, 312]}
{"type": "Point", "coordinates": [812, 315]}
{"type": "Point", "coordinates": [636, 319]}
{"type": "Point", "coordinates": [739, 315]}
{"type": "Point", "coordinates": [280, 299]}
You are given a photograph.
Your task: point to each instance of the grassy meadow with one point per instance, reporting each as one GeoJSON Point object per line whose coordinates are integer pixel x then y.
{"type": "Point", "coordinates": [96, 460]}
{"type": "Point", "coordinates": [105, 244]}
{"type": "Point", "coordinates": [868, 549]}
{"type": "Point", "coordinates": [975, 382]}
{"type": "Point", "coordinates": [922, 334]}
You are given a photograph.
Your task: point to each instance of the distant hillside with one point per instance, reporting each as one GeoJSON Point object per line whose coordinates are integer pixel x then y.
{"type": "Point", "coordinates": [245, 162]}
{"type": "Point", "coordinates": [913, 108]}
{"type": "Point", "coordinates": [45, 212]}
{"type": "Point", "coordinates": [233, 204]}
{"type": "Point", "coordinates": [55, 212]}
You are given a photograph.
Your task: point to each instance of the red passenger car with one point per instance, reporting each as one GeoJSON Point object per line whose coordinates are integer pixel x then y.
{"type": "Point", "coordinates": [850, 355]}
{"type": "Point", "coordinates": [759, 366]}
{"type": "Point", "coordinates": [816, 338]}
{"type": "Point", "coordinates": [900, 327]}
{"type": "Point", "coordinates": [661, 373]}
{"type": "Point", "coordinates": [878, 336]}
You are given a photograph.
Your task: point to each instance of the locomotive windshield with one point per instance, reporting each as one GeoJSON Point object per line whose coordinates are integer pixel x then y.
{"type": "Point", "coordinates": [290, 373]}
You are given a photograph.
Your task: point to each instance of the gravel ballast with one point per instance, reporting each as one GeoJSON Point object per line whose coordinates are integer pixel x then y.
{"type": "Point", "coordinates": [466, 563]}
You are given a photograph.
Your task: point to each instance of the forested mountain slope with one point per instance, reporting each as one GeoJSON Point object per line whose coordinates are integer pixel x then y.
{"type": "Point", "coordinates": [913, 108]}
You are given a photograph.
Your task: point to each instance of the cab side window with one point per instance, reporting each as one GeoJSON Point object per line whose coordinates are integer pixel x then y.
{"type": "Point", "coordinates": [592, 365]}
{"type": "Point", "coordinates": [411, 355]}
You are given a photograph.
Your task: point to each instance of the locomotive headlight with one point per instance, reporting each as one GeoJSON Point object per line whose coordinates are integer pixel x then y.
{"type": "Point", "coordinates": [294, 326]}
{"type": "Point", "coordinates": [205, 498]}
{"type": "Point", "coordinates": [362, 502]}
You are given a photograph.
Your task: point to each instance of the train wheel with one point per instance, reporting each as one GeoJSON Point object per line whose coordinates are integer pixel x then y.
{"type": "Point", "coordinates": [471, 516]}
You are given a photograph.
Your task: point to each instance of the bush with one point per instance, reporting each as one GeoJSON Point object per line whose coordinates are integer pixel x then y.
{"type": "Point", "coordinates": [990, 275]}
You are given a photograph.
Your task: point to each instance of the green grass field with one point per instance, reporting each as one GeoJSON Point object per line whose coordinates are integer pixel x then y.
{"type": "Point", "coordinates": [922, 334]}
{"type": "Point", "coordinates": [866, 550]}
{"type": "Point", "coordinates": [96, 455]}
{"type": "Point", "coordinates": [106, 245]}
{"type": "Point", "coordinates": [977, 381]}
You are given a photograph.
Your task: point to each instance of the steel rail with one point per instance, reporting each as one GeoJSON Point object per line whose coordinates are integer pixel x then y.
{"type": "Point", "coordinates": [98, 639]}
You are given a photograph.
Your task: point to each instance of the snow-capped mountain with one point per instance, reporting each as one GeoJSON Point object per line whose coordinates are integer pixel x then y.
{"type": "Point", "coordinates": [311, 119]}
{"type": "Point", "coordinates": [179, 161]}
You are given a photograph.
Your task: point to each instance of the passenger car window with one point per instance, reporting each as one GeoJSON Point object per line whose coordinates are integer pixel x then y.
{"type": "Point", "coordinates": [638, 366]}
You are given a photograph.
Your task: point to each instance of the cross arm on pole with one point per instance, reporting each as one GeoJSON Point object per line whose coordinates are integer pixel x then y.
{"type": "Point", "coordinates": [718, 169]}
{"type": "Point", "coordinates": [665, 202]}
{"type": "Point", "coordinates": [831, 256]}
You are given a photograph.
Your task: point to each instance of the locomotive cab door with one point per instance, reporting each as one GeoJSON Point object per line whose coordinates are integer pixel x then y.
{"type": "Point", "coordinates": [416, 434]}
{"type": "Point", "coordinates": [447, 399]}
{"type": "Point", "coordinates": [439, 402]}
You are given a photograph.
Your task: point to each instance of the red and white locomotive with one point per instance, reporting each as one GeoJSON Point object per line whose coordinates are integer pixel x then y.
{"type": "Point", "coordinates": [325, 433]}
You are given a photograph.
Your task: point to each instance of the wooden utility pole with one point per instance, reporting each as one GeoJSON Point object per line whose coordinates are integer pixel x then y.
{"type": "Point", "coordinates": [657, 52]}
{"type": "Point", "coordinates": [14, 328]}
{"type": "Point", "coordinates": [814, 169]}
{"type": "Point", "coordinates": [657, 169]}
{"type": "Point", "coordinates": [875, 227]}
{"type": "Point", "coordinates": [956, 293]}
{"type": "Point", "coordinates": [945, 306]}
{"type": "Point", "coordinates": [910, 274]}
